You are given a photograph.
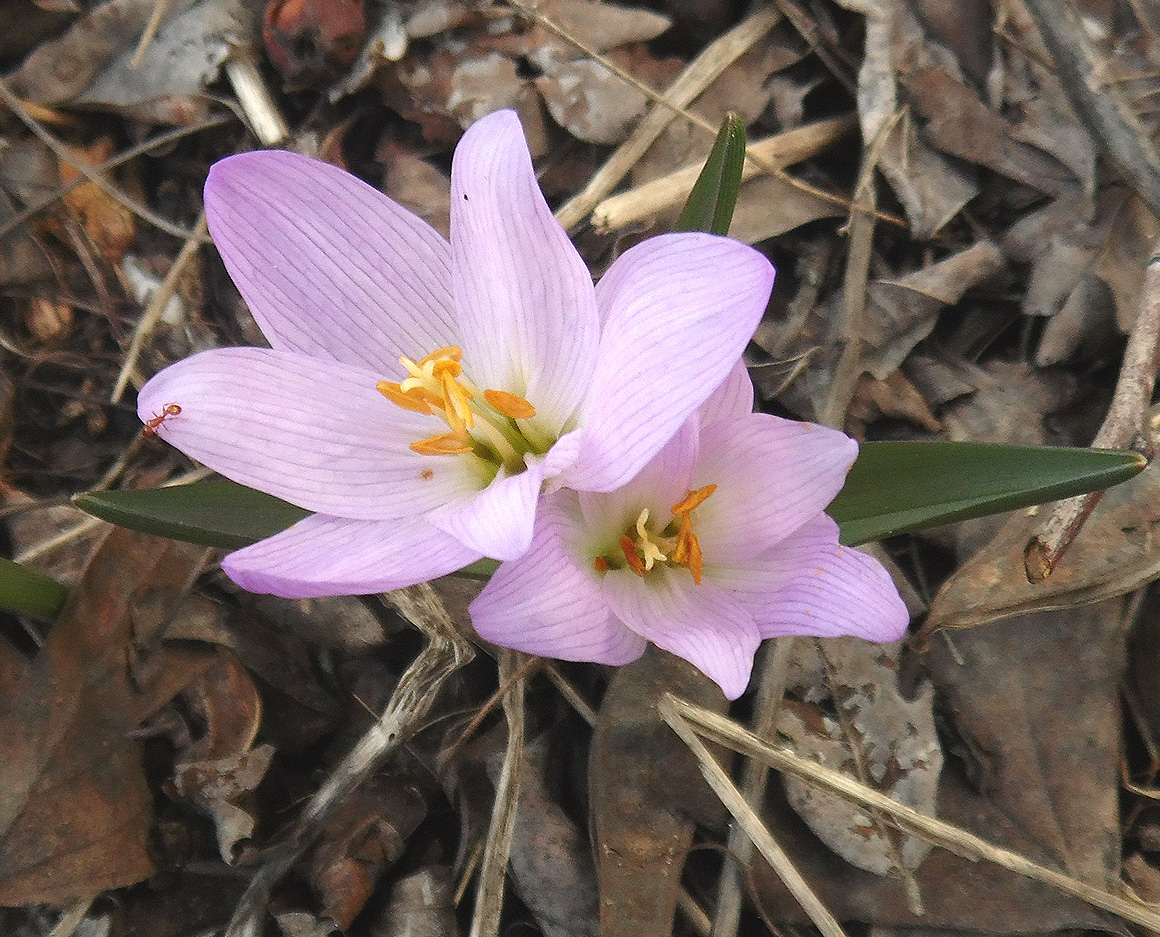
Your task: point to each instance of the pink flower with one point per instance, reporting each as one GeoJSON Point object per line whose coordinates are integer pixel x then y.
{"type": "Point", "coordinates": [420, 395]}
{"type": "Point", "coordinates": [719, 542]}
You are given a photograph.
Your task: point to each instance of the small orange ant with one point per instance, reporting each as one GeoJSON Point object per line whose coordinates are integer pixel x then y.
{"type": "Point", "coordinates": [150, 428]}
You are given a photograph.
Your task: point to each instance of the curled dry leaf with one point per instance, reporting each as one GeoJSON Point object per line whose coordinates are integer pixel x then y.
{"type": "Point", "coordinates": [365, 835]}
{"type": "Point", "coordinates": [74, 806]}
{"type": "Point", "coordinates": [877, 736]}
{"type": "Point", "coordinates": [220, 771]}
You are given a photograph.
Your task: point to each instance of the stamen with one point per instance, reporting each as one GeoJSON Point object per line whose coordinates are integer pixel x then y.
{"type": "Point", "coordinates": [446, 444]}
{"type": "Point", "coordinates": [630, 555]}
{"type": "Point", "coordinates": [510, 405]}
{"type": "Point", "coordinates": [454, 352]}
{"type": "Point", "coordinates": [693, 499]}
{"type": "Point", "coordinates": [401, 398]}
{"type": "Point", "coordinates": [600, 564]}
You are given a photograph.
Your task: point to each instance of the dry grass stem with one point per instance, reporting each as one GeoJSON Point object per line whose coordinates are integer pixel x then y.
{"type": "Point", "coordinates": [699, 74]}
{"type": "Point", "coordinates": [724, 731]}
{"type": "Point", "coordinates": [774, 666]}
{"type": "Point", "coordinates": [750, 822]}
{"type": "Point", "coordinates": [149, 319]}
{"type": "Point", "coordinates": [489, 898]}
{"type": "Point", "coordinates": [783, 149]}
{"type": "Point", "coordinates": [445, 653]}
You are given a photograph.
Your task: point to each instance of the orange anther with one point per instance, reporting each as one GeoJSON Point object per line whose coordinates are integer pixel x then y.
{"type": "Point", "coordinates": [693, 500]}
{"type": "Point", "coordinates": [600, 564]}
{"type": "Point", "coordinates": [408, 400]}
{"type": "Point", "coordinates": [509, 405]}
{"type": "Point", "coordinates": [696, 560]}
{"type": "Point", "coordinates": [631, 556]}
{"type": "Point", "coordinates": [446, 444]}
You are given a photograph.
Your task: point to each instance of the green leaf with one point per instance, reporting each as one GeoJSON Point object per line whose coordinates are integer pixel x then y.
{"type": "Point", "coordinates": [899, 486]}
{"type": "Point", "coordinates": [714, 196]}
{"type": "Point", "coordinates": [216, 513]}
{"type": "Point", "coordinates": [27, 593]}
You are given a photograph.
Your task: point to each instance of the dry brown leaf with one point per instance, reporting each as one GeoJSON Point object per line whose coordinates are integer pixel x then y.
{"type": "Point", "coordinates": [861, 724]}
{"type": "Point", "coordinates": [74, 806]}
{"type": "Point", "coordinates": [551, 861]}
{"type": "Point", "coordinates": [167, 85]}
{"type": "Point", "coordinates": [893, 397]}
{"type": "Point", "coordinates": [589, 101]}
{"type": "Point", "coordinates": [220, 771]}
{"type": "Point", "coordinates": [930, 187]}
{"type": "Point", "coordinates": [420, 905]}
{"type": "Point", "coordinates": [417, 186]}
{"type": "Point", "coordinates": [646, 790]}
{"type": "Point", "coordinates": [107, 222]}
{"type": "Point", "coordinates": [1116, 552]}
{"type": "Point", "coordinates": [900, 313]}
{"type": "Point", "coordinates": [365, 835]}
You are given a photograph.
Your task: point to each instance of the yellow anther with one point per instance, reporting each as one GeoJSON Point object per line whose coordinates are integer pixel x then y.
{"type": "Point", "coordinates": [400, 398]}
{"type": "Point", "coordinates": [509, 405]}
{"type": "Point", "coordinates": [445, 444]}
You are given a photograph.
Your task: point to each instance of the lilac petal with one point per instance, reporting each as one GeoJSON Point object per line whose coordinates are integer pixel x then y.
{"type": "Point", "coordinates": [544, 604]}
{"type": "Point", "coordinates": [679, 310]}
{"type": "Point", "coordinates": [328, 265]}
{"type": "Point", "coordinates": [734, 397]}
{"type": "Point", "coordinates": [523, 295]}
{"type": "Point", "coordinates": [311, 431]}
{"type": "Point", "coordinates": [658, 486]}
{"type": "Point", "coordinates": [772, 475]}
{"type": "Point", "coordinates": [809, 584]}
{"type": "Point", "coordinates": [701, 623]}
{"type": "Point", "coordinates": [498, 521]}
{"type": "Point", "coordinates": [323, 555]}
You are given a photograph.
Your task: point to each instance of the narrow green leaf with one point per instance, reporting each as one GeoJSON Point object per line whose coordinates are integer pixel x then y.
{"type": "Point", "coordinates": [714, 196]}
{"type": "Point", "coordinates": [24, 592]}
{"type": "Point", "coordinates": [899, 486]}
{"type": "Point", "coordinates": [216, 513]}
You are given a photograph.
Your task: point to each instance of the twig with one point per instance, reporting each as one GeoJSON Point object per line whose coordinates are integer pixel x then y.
{"type": "Point", "coordinates": [445, 653]}
{"type": "Point", "coordinates": [161, 9]}
{"type": "Point", "coordinates": [64, 154]}
{"type": "Point", "coordinates": [1124, 427]}
{"type": "Point", "coordinates": [749, 821]}
{"type": "Point", "coordinates": [150, 317]}
{"type": "Point", "coordinates": [1093, 93]}
{"type": "Point", "coordinates": [860, 234]}
{"type": "Point", "coordinates": [696, 120]}
{"type": "Point", "coordinates": [497, 852]}
{"type": "Point", "coordinates": [720, 729]}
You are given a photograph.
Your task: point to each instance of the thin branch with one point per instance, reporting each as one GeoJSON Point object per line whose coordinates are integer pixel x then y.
{"type": "Point", "coordinates": [1124, 427]}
